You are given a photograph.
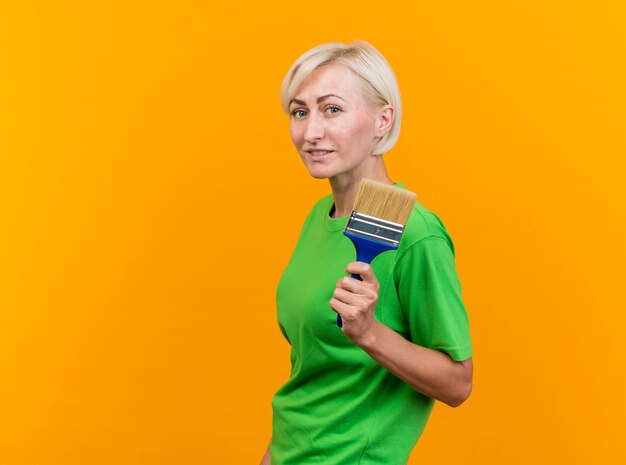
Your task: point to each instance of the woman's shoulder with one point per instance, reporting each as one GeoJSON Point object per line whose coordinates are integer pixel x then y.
{"type": "Point", "coordinates": [318, 211]}
{"type": "Point", "coordinates": [423, 224]}
{"type": "Point", "coordinates": [320, 208]}
{"type": "Point", "coordinates": [323, 205]}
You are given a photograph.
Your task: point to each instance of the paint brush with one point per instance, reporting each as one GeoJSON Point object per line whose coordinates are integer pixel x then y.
{"type": "Point", "coordinates": [377, 222]}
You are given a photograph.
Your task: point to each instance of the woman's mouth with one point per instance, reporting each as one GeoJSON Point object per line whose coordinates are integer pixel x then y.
{"type": "Point", "coordinates": [318, 154]}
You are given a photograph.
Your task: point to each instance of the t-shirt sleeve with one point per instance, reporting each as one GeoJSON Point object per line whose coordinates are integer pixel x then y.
{"type": "Point", "coordinates": [430, 294]}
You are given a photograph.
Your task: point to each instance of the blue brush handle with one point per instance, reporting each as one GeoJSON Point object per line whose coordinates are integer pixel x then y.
{"type": "Point", "coordinates": [366, 251]}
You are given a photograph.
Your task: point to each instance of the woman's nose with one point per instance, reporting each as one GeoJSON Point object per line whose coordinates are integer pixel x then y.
{"type": "Point", "coordinates": [314, 129]}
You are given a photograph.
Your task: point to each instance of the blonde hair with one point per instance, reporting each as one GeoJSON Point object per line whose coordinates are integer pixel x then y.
{"type": "Point", "coordinates": [380, 86]}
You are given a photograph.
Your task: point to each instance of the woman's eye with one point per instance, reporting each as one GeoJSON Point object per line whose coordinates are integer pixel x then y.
{"type": "Point", "coordinates": [333, 110]}
{"type": "Point", "coordinates": [298, 113]}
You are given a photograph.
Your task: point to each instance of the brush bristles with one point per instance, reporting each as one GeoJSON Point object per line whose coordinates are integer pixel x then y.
{"type": "Point", "coordinates": [384, 201]}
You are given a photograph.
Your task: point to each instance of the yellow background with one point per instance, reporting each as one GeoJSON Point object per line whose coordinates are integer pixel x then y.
{"type": "Point", "coordinates": [150, 198]}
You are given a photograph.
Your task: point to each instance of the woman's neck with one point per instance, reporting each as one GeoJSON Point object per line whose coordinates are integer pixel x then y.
{"type": "Point", "coordinates": [345, 186]}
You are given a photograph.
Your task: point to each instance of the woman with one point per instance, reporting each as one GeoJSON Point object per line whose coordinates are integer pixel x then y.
{"type": "Point", "coordinates": [361, 394]}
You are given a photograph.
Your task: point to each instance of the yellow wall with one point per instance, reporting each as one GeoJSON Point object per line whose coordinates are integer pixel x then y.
{"type": "Point", "coordinates": [150, 197]}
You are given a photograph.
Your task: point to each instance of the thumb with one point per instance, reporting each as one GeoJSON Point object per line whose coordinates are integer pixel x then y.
{"type": "Point", "coordinates": [364, 270]}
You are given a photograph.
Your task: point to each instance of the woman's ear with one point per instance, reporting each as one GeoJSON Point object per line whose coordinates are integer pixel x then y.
{"type": "Point", "coordinates": [384, 120]}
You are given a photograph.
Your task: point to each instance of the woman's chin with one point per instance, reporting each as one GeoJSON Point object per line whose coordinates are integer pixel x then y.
{"type": "Point", "coordinates": [319, 176]}
{"type": "Point", "coordinates": [317, 173]}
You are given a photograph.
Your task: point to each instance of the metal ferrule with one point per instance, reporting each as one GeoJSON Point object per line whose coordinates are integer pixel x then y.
{"type": "Point", "coordinates": [374, 228]}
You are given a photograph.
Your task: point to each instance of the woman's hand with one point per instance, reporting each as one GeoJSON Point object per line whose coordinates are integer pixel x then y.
{"type": "Point", "coordinates": [428, 371]}
{"type": "Point", "coordinates": [356, 300]}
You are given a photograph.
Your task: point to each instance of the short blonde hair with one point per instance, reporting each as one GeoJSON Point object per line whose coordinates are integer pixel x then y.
{"type": "Point", "coordinates": [380, 85]}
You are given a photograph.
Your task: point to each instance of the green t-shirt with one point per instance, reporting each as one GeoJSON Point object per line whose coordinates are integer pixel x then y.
{"type": "Point", "coordinates": [339, 406]}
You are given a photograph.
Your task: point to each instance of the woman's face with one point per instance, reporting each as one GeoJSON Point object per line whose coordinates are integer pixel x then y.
{"type": "Point", "coordinates": [334, 129]}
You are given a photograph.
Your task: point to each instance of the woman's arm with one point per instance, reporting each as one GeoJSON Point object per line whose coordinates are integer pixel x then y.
{"type": "Point", "coordinates": [266, 458]}
{"type": "Point", "coordinates": [428, 371]}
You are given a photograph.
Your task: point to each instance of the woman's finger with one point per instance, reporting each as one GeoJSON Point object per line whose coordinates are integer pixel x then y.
{"type": "Point", "coordinates": [351, 285]}
{"type": "Point", "coordinates": [344, 296]}
{"type": "Point", "coordinates": [357, 302]}
{"type": "Point", "coordinates": [339, 307]}
{"type": "Point", "coordinates": [364, 270]}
